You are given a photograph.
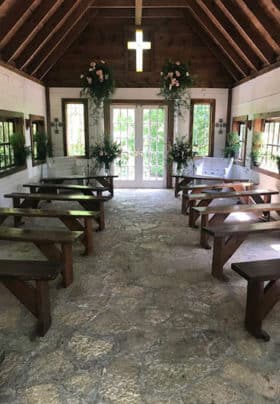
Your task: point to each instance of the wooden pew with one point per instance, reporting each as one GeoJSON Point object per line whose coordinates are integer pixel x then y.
{"type": "Point", "coordinates": [200, 188]}
{"type": "Point", "coordinates": [105, 180]}
{"type": "Point", "coordinates": [56, 188]}
{"type": "Point", "coordinates": [46, 242]}
{"type": "Point", "coordinates": [229, 237]}
{"type": "Point", "coordinates": [69, 217]}
{"type": "Point", "coordinates": [91, 203]}
{"type": "Point", "coordinates": [220, 213]}
{"type": "Point", "coordinates": [15, 275]}
{"type": "Point", "coordinates": [260, 298]}
{"type": "Point", "coordinates": [204, 199]}
{"type": "Point", "coordinates": [183, 180]}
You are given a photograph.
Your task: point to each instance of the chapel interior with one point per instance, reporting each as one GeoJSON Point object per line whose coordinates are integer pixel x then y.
{"type": "Point", "coordinates": [139, 201]}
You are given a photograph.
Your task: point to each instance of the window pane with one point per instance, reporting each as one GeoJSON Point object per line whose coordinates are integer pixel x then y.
{"type": "Point", "coordinates": [271, 146]}
{"type": "Point", "coordinates": [201, 128]}
{"type": "Point", "coordinates": [75, 129]}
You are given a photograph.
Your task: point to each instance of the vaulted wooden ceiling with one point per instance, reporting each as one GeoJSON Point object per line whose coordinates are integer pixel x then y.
{"type": "Point", "coordinates": [226, 41]}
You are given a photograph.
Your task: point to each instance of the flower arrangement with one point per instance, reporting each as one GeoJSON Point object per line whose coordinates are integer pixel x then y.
{"type": "Point", "coordinates": [98, 84]}
{"type": "Point", "coordinates": [106, 152]}
{"type": "Point", "coordinates": [175, 82]}
{"type": "Point", "coordinates": [180, 152]}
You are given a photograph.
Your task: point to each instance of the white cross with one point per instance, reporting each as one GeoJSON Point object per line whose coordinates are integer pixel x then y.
{"type": "Point", "coordinates": [139, 46]}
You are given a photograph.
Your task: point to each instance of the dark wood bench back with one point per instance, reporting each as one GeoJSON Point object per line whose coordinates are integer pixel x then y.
{"type": "Point", "coordinates": [233, 194]}
{"type": "Point", "coordinates": [55, 197]}
{"type": "Point", "coordinates": [14, 234]}
{"type": "Point", "coordinates": [28, 270]}
{"type": "Point", "coordinates": [53, 213]}
{"type": "Point", "coordinates": [66, 186]}
{"type": "Point", "coordinates": [263, 207]}
{"type": "Point", "coordinates": [242, 228]}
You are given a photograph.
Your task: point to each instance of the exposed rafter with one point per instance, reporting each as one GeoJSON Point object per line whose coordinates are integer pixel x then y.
{"type": "Point", "coordinates": [29, 30]}
{"type": "Point", "coordinates": [138, 12]}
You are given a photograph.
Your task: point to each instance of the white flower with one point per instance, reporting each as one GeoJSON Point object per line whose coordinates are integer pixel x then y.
{"type": "Point", "coordinates": [89, 80]}
{"type": "Point", "coordinates": [106, 76]}
{"type": "Point", "coordinates": [90, 69]}
{"type": "Point", "coordinates": [82, 76]}
{"type": "Point", "coordinates": [102, 61]}
{"type": "Point", "coordinates": [161, 73]}
{"type": "Point", "coordinates": [187, 74]}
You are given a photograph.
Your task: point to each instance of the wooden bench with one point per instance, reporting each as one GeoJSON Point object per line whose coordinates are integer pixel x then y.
{"type": "Point", "coordinates": [71, 219]}
{"type": "Point", "coordinates": [46, 242]}
{"type": "Point", "coordinates": [15, 275]}
{"type": "Point", "coordinates": [90, 203]}
{"type": "Point", "coordinates": [260, 298]}
{"type": "Point", "coordinates": [200, 188]}
{"type": "Point", "coordinates": [229, 237]}
{"type": "Point", "coordinates": [105, 180]}
{"type": "Point", "coordinates": [183, 180]}
{"type": "Point", "coordinates": [204, 199]}
{"type": "Point", "coordinates": [220, 213]}
{"type": "Point", "coordinates": [56, 188]}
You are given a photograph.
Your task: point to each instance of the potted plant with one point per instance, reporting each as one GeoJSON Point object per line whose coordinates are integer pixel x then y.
{"type": "Point", "coordinates": [21, 152]}
{"type": "Point", "coordinates": [232, 145]}
{"type": "Point", "coordinates": [181, 153]}
{"type": "Point", "coordinates": [257, 148]}
{"type": "Point", "coordinates": [105, 153]}
{"type": "Point", "coordinates": [277, 159]}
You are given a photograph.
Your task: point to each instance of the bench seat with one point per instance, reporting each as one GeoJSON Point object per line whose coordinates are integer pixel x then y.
{"type": "Point", "coordinates": [260, 298]}
{"type": "Point", "coordinates": [15, 276]}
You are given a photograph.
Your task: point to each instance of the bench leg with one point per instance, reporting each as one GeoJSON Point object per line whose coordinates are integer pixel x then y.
{"type": "Point", "coordinates": [67, 264]}
{"type": "Point", "coordinates": [43, 307]}
{"type": "Point", "coordinates": [218, 260]}
{"type": "Point", "coordinates": [254, 316]}
{"type": "Point", "coordinates": [88, 235]}
{"type": "Point", "coordinates": [204, 238]}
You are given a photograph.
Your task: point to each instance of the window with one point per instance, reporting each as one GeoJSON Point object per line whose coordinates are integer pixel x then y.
{"type": "Point", "coordinates": [271, 147]}
{"type": "Point", "coordinates": [239, 125]}
{"type": "Point", "coordinates": [37, 125]}
{"type": "Point", "coordinates": [202, 126]}
{"type": "Point", "coordinates": [75, 126]}
{"type": "Point", "coordinates": [10, 122]}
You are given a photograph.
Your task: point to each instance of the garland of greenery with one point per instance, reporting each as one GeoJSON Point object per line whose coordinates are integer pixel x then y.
{"type": "Point", "coordinates": [98, 84]}
{"type": "Point", "coordinates": [174, 85]}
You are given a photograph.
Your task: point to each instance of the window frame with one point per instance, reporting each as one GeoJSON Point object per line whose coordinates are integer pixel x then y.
{"type": "Point", "coordinates": [64, 103]}
{"type": "Point", "coordinates": [18, 120]}
{"type": "Point", "coordinates": [212, 103]}
{"type": "Point", "coordinates": [237, 121]}
{"type": "Point", "coordinates": [40, 120]}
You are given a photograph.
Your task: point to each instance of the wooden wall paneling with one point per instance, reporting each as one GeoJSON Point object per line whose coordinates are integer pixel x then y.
{"type": "Point", "coordinates": [259, 26]}
{"type": "Point", "coordinates": [28, 31]}
{"type": "Point", "coordinates": [14, 15]}
{"type": "Point", "coordinates": [227, 64]}
{"type": "Point", "coordinates": [43, 35]}
{"type": "Point", "coordinates": [251, 43]}
{"type": "Point", "coordinates": [70, 22]}
{"type": "Point", "coordinates": [66, 41]}
{"type": "Point", "coordinates": [218, 38]}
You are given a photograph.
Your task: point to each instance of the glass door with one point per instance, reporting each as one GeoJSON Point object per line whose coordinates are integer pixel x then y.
{"type": "Point", "coordinates": [141, 131]}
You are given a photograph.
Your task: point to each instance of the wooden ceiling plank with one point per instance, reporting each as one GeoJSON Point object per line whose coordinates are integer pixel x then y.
{"type": "Point", "coordinates": [217, 37]}
{"type": "Point", "coordinates": [256, 22]}
{"type": "Point", "coordinates": [14, 19]}
{"type": "Point", "coordinates": [205, 7]}
{"type": "Point", "coordinates": [272, 9]}
{"type": "Point", "coordinates": [44, 33]}
{"type": "Point", "coordinates": [24, 35]}
{"type": "Point", "coordinates": [79, 26]}
{"type": "Point", "coordinates": [148, 13]}
{"type": "Point", "coordinates": [207, 40]}
{"type": "Point", "coordinates": [242, 32]}
{"type": "Point", "coordinates": [99, 4]}
{"type": "Point", "coordinates": [138, 12]}
{"type": "Point", "coordinates": [55, 40]}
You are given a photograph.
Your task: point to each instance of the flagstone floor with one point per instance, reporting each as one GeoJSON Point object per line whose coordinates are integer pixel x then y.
{"type": "Point", "coordinates": [143, 322]}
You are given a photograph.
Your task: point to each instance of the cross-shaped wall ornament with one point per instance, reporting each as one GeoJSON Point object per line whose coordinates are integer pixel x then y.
{"type": "Point", "coordinates": [139, 45]}
{"type": "Point", "coordinates": [56, 125]}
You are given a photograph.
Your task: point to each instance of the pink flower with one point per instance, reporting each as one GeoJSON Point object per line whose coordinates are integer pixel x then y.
{"type": "Point", "coordinates": [170, 74]}
{"type": "Point", "coordinates": [178, 63]}
{"type": "Point", "coordinates": [177, 73]}
{"type": "Point", "coordinates": [92, 64]}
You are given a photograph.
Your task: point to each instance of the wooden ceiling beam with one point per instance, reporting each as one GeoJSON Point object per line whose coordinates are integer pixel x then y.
{"type": "Point", "coordinates": [138, 12]}
{"type": "Point", "coordinates": [37, 43]}
{"type": "Point", "coordinates": [73, 18]}
{"type": "Point", "coordinates": [217, 37]}
{"type": "Point", "coordinates": [258, 25]}
{"type": "Point", "coordinates": [148, 13]}
{"type": "Point", "coordinates": [147, 4]}
{"type": "Point", "coordinates": [214, 49]}
{"type": "Point", "coordinates": [242, 31]}
{"type": "Point", "coordinates": [79, 26]}
{"type": "Point", "coordinates": [268, 16]}
{"type": "Point", "coordinates": [14, 14]}
{"type": "Point", "coordinates": [27, 32]}
{"type": "Point", "coordinates": [206, 7]}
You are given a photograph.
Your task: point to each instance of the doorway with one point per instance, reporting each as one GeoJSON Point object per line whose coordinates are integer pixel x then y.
{"type": "Point", "coordinates": [142, 132]}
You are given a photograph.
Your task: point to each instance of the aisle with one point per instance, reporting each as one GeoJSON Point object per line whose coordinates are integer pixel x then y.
{"type": "Point", "coordinates": [143, 322]}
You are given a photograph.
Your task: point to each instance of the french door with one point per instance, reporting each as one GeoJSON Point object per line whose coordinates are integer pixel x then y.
{"type": "Point", "coordinates": [142, 131]}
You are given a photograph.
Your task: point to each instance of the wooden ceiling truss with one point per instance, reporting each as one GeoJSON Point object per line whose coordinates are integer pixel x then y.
{"type": "Point", "coordinates": [243, 35]}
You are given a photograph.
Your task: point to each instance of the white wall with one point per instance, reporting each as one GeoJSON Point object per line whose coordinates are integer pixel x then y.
{"type": "Point", "coordinates": [181, 125]}
{"type": "Point", "coordinates": [20, 94]}
{"type": "Point", "coordinates": [260, 95]}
